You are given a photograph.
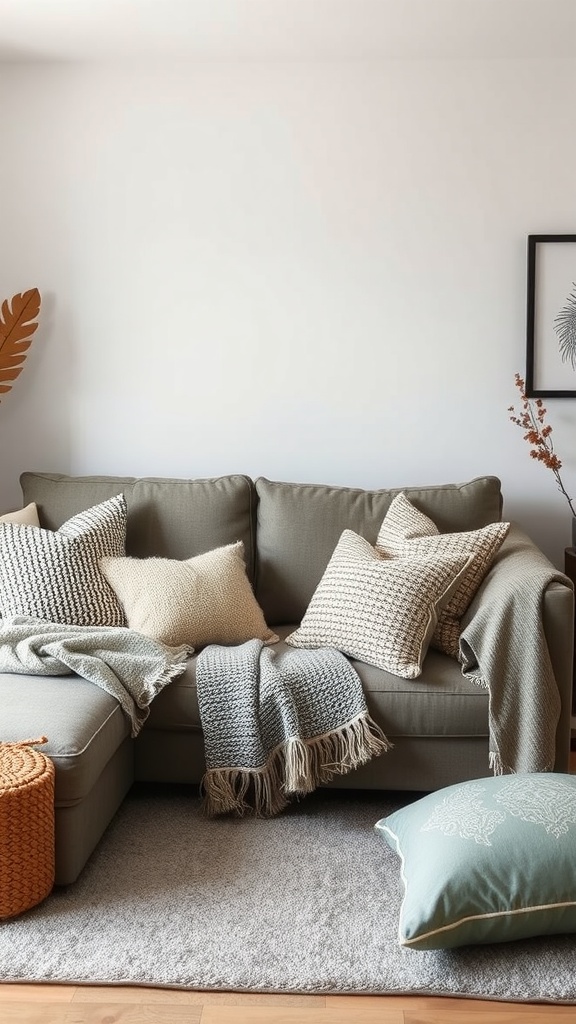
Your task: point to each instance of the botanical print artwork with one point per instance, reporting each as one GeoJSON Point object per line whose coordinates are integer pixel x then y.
{"type": "Point", "coordinates": [463, 814]}
{"type": "Point", "coordinates": [565, 327]}
{"type": "Point", "coordinates": [551, 317]}
{"type": "Point", "coordinates": [551, 805]}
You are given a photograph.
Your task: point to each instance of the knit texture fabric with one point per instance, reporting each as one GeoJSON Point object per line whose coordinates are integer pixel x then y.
{"type": "Point", "coordinates": [408, 533]}
{"type": "Point", "coordinates": [503, 648]}
{"type": "Point", "coordinates": [55, 574]}
{"type": "Point", "coordinates": [277, 723]}
{"type": "Point", "coordinates": [129, 666]}
{"type": "Point", "coordinates": [27, 516]}
{"type": "Point", "coordinates": [380, 610]}
{"type": "Point", "coordinates": [201, 600]}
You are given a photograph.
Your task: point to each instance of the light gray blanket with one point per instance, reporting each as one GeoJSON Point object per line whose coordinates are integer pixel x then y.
{"type": "Point", "coordinates": [503, 647]}
{"type": "Point", "coordinates": [278, 722]}
{"type": "Point", "coordinates": [128, 665]}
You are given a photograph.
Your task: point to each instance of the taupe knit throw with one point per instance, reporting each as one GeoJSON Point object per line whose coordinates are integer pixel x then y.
{"type": "Point", "coordinates": [503, 648]}
{"type": "Point", "coordinates": [277, 723]}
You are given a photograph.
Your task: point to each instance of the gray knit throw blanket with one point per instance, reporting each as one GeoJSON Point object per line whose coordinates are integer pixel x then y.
{"type": "Point", "coordinates": [277, 723]}
{"type": "Point", "coordinates": [129, 666]}
{"type": "Point", "coordinates": [503, 648]}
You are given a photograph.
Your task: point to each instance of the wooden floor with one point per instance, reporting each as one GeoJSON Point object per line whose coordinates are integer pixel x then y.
{"type": "Point", "coordinates": [63, 1004]}
{"type": "Point", "coordinates": [73, 1004]}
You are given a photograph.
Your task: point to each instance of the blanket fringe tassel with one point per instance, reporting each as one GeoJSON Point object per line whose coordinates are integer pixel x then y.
{"type": "Point", "coordinates": [173, 668]}
{"type": "Point", "coordinates": [499, 768]}
{"type": "Point", "coordinates": [495, 762]}
{"type": "Point", "coordinates": [294, 768]}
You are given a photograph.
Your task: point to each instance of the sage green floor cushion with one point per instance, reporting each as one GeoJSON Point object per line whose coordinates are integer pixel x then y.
{"type": "Point", "coordinates": [487, 861]}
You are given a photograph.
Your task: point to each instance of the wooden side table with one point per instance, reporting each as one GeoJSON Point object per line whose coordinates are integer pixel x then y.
{"type": "Point", "coordinates": [570, 570]}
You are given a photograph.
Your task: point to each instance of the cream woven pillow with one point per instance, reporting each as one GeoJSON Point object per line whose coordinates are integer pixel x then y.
{"type": "Point", "coordinates": [380, 610]}
{"type": "Point", "coordinates": [202, 600]}
{"type": "Point", "coordinates": [408, 533]}
{"type": "Point", "coordinates": [27, 516]}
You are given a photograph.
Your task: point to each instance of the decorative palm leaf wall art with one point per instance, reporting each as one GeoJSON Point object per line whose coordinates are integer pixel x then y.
{"type": "Point", "coordinates": [18, 321]}
{"type": "Point", "coordinates": [565, 327]}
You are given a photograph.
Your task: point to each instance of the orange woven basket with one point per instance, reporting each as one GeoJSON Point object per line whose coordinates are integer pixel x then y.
{"type": "Point", "coordinates": [26, 826]}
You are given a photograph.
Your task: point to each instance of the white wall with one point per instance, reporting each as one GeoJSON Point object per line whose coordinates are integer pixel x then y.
{"type": "Point", "coordinates": [304, 271]}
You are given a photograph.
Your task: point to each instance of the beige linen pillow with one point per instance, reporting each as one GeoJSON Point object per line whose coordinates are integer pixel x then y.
{"type": "Point", "coordinates": [382, 611]}
{"type": "Point", "coordinates": [202, 600]}
{"type": "Point", "coordinates": [408, 533]}
{"type": "Point", "coordinates": [27, 516]}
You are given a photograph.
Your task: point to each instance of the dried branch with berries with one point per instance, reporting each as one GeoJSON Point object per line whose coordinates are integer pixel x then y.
{"type": "Point", "coordinates": [538, 433]}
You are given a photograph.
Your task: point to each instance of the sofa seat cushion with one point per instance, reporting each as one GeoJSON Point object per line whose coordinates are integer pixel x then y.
{"type": "Point", "coordinates": [175, 708]}
{"type": "Point", "coordinates": [84, 726]}
{"type": "Point", "coordinates": [439, 703]}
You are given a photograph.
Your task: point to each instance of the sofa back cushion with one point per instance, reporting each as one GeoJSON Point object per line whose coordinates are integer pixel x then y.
{"type": "Point", "coordinates": [299, 526]}
{"type": "Point", "coordinates": [167, 518]}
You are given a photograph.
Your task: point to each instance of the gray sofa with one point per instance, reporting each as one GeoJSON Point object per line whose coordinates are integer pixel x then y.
{"type": "Point", "coordinates": [438, 723]}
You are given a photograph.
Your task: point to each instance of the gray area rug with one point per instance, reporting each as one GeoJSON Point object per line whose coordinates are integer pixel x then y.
{"type": "Point", "coordinates": [306, 903]}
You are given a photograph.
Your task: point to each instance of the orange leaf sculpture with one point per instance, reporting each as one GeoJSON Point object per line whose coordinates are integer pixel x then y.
{"type": "Point", "coordinates": [17, 325]}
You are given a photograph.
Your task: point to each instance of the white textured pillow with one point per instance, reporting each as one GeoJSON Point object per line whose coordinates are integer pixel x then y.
{"type": "Point", "coordinates": [202, 600]}
{"type": "Point", "coordinates": [27, 516]}
{"type": "Point", "coordinates": [408, 533]}
{"type": "Point", "coordinates": [382, 611]}
{"type": "Point", "coordinates": [55, 575]}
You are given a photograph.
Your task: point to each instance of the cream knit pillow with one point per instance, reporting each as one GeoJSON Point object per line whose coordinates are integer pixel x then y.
{"type": "Point", "coordinates": [202, 600]}
{"type": "Point", "coordinates": [27, 516]}
{"type": "Point", "coordinates": [408, 533]}
{"type": "Point", "coordinates": [382, 611]}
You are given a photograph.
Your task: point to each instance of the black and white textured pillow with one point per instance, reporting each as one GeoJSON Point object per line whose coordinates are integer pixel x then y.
{"type": "Point", "coordinates": [380, 610]}
{"type": "Point", "coordinates": [56, 575]}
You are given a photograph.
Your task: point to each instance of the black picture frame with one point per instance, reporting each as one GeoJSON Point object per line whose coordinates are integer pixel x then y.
{"type": "Point", "coordinates": [551, 317]}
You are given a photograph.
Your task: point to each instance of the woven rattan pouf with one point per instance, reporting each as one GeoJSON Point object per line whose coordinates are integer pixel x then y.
{"type": "Point", "coordinates": [26, 826]}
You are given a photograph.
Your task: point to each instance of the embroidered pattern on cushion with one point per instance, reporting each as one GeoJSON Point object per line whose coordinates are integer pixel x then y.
{"type": "Point", "coordinates": [463, 814]}
{"type": "Point", "coordinates": [549, 803]}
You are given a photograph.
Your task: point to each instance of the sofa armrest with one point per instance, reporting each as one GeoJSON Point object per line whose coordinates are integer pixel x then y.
{"type": "Point", "coordinates": [519, 565]}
